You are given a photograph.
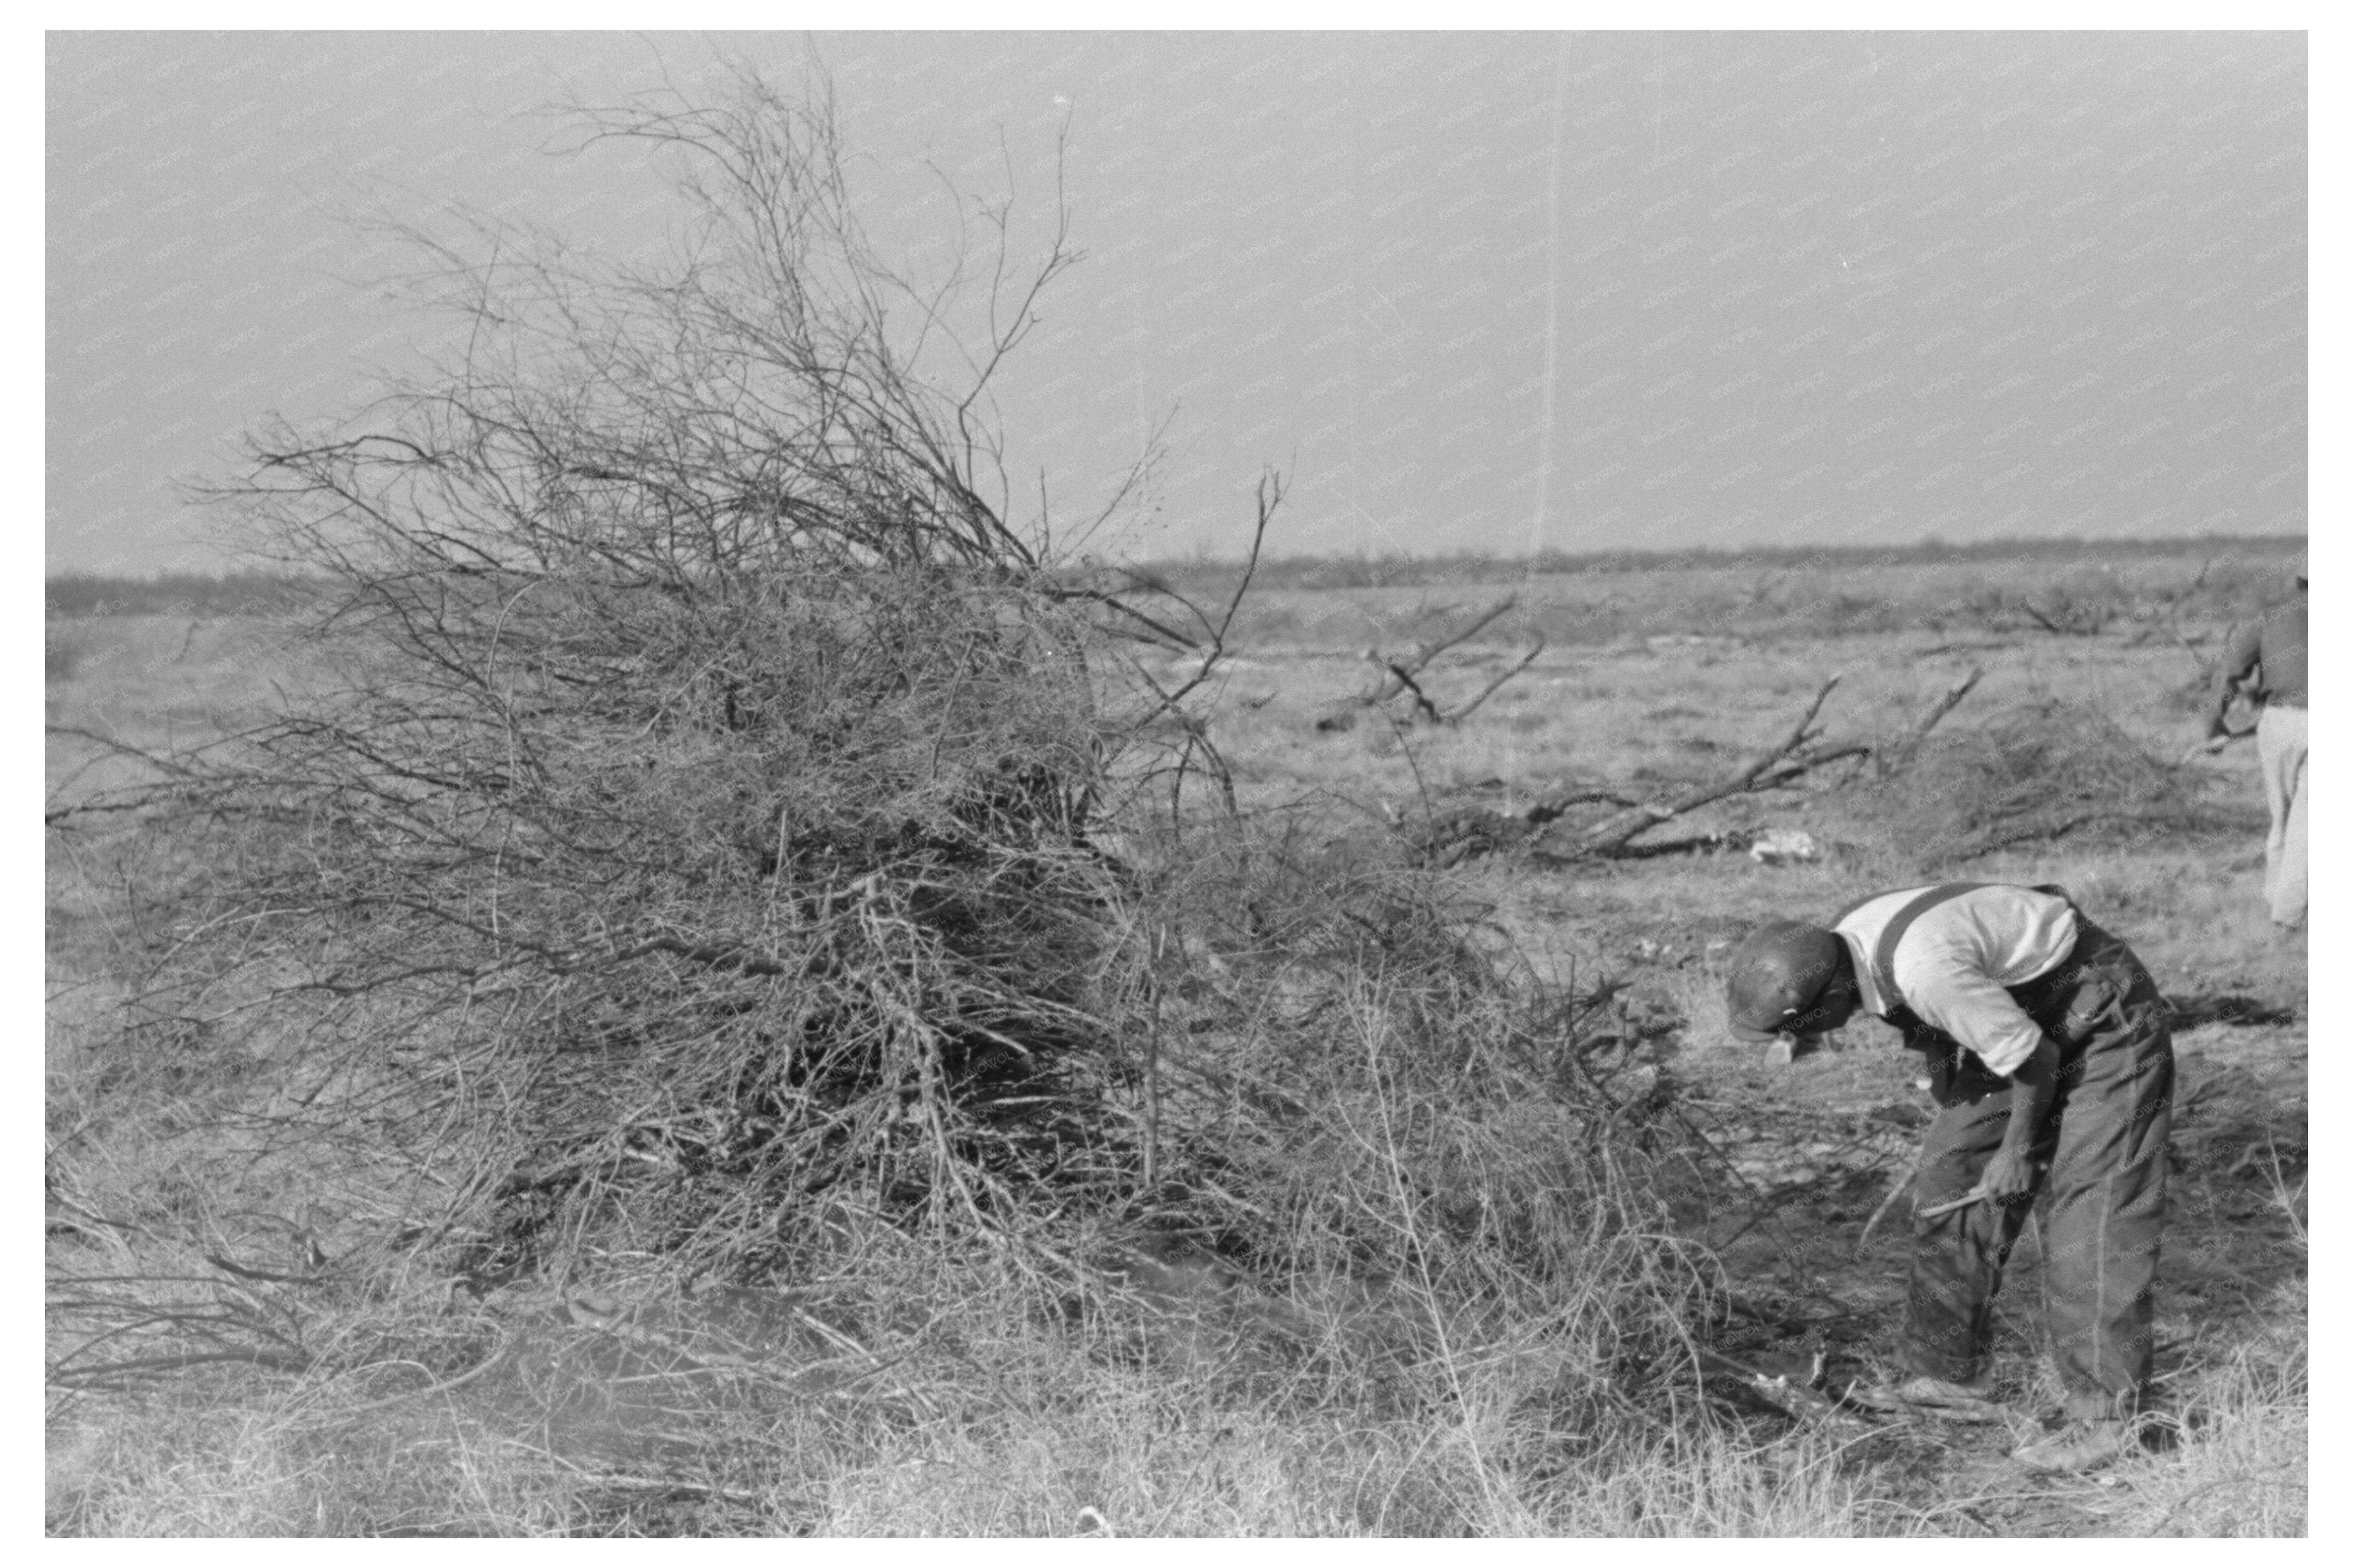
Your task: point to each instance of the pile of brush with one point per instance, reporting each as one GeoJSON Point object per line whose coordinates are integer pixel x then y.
{"type": "Point", "coordinates": [2038, 772]}
{"type": "Point", "coordinates": [711, 843]}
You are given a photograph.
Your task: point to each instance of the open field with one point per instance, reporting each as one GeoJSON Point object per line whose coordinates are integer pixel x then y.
{"type": "Point", "coordinates": [1206, 1399]}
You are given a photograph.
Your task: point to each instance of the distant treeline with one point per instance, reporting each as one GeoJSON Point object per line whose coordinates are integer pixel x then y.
{"type": "Point", "coordinates": [175, 593]}
{"type": "Point", "coordinates": [253, 593]}
{"type": "Point", "coordinates": [1461, 568]}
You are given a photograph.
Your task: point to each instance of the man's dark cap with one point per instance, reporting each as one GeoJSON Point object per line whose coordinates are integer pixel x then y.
{"type": "Point", "coordinates": [1778, 975]}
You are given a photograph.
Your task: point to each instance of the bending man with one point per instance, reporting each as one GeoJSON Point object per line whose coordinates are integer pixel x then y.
{"type": "Point", "coordinates": [2051, 1055]}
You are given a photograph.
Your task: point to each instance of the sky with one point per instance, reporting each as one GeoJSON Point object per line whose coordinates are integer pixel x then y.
{"type": "Point", "coordinates": [1480, 291]}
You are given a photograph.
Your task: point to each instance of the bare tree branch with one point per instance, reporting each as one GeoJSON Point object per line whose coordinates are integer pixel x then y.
{"type": "Point", "coordinates": [1401, 675]}
{"type": "Point", "coordinates": [1618, 830]}
{"type": "Point", "coordinates": [1492, 687]}
{"type": "Point", "coordinates": [1893, 758]}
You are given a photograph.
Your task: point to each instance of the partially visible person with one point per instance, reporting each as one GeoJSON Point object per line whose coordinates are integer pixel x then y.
{"type": "Point", "coordinates": [2268, 662]}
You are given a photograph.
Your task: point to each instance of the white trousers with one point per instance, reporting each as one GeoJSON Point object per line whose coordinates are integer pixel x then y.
{"type": "Point", "coordinates": [2280, 742]}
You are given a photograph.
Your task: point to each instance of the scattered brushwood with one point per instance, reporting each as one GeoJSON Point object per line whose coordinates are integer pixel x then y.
{"type": "Point", "coordinates": [1401, 676]}
{"type": "Point", "coordinates": [2037, 772]}
{"type": "Point", "coordinates": [1453, 837]}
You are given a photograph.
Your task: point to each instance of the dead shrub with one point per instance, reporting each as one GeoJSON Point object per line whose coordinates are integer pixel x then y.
{"type": "Point", "coordinates": [686, 822]}
{"type": "Point", "coordinates": [688, 832]}
{"type": "Point", "coordinates": [2041, 771]}
{"type": "Point", "coordinates": [713, 843]}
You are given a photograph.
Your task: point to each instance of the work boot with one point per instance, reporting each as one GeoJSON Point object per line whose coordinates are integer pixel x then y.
{"type": "Point", "coordinates": [1942, 1398]}
{"type": "Point", "coordinates": [2077, 1446]}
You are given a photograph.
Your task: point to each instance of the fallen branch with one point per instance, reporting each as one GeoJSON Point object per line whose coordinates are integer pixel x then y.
{"type": "Point", "coordinates": [1426, 651]}
{"type": "Point", "coordinates": [1553, 806]}
{"type": "Point", "coordinates": [1792, 1399]}
{"type": "Point", "coordinates": [2087, 624]}
{"type": "Point", "coordinates": [1614, 832]}
{"type": "Point", "coordinates": [1463, 834]}
{"type": "Point", "coordinates": [1789, 767]}
{"type": "Point", "coordinates": [1405, 680]}
{"type": "Point", "coordinates": [1896, 758]}
{"type": "Point", "coordinates": [1399, 674]}
{"type": "Point", "coordinates": [1456, 838]}
{"type": "Point", "coordinates": [1895, 1194]}
{"type": "Point", "coordinates": [1467, 709]}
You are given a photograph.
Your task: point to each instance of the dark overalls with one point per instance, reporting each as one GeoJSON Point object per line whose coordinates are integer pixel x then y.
{"type": "Point", "coordinates": [2102, 1158]}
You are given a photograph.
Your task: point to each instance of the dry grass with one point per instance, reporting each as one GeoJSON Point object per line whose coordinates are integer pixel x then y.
{"type": "Point", "coordinates": [1073, 1446]}
{"type": "Point", "coordinates": [1113, 1453]}
{"type": "Point", "coordinates": [1451, 1389]}
{"type": "Point", "coordinates": [2242, 1464]}
{"type": "Point", "coordinates": [1009, 1427]}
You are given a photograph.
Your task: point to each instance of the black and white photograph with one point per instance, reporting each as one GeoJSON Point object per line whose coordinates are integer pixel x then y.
{"type": "Point", "coordinates": [1025, 782]}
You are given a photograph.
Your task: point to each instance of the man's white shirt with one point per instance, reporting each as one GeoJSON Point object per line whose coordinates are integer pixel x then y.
{"type": "Point", "coordinates": [1953, 966]}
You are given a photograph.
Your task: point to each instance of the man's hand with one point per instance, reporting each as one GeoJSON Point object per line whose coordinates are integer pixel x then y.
{"type": "Point", "coordinates": [2009, 1174]}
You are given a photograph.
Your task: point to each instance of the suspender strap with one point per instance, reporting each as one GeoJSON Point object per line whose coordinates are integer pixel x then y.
{"type": "Point", "coordinates": [1883, 955]}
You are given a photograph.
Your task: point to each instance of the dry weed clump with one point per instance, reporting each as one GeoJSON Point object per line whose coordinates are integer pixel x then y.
{"type": "Point", "coordinates": [2039, 772]}
{"type": "Point", "coordinates": [2238, 1460]}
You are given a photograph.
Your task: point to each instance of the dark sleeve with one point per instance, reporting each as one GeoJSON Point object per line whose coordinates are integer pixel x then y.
{"type": "Point", "coordinates": [2239, 657]}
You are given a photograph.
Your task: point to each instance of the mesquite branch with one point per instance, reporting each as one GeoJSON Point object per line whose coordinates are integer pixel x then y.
{"type": "Point", "coordinates": [1402, 675]}
{"type": "Point", "coordinates": [1615, 831]}
{"type": "Point", "coordinates": [1798, 752]}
